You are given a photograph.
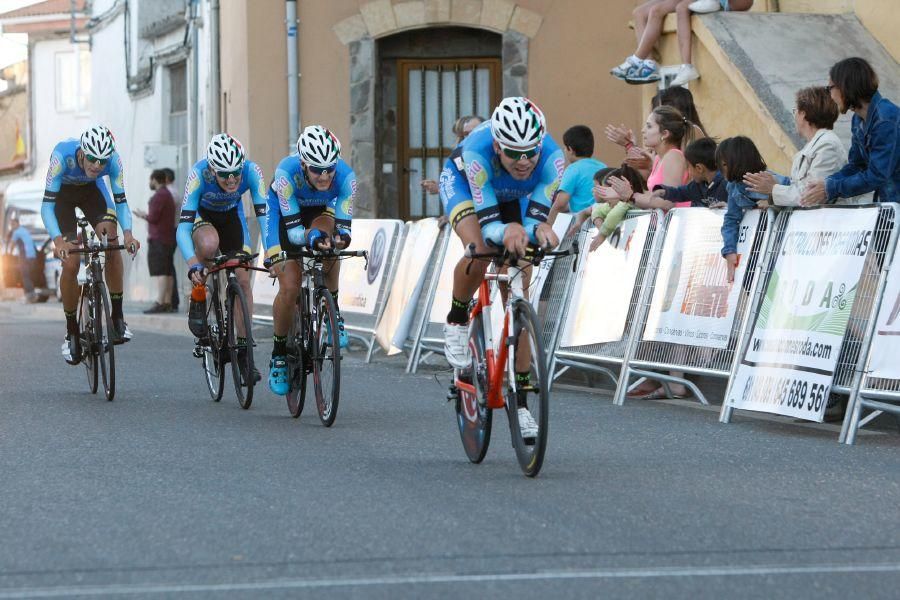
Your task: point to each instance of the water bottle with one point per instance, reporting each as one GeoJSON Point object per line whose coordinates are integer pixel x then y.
{"type": "Point", "coordinates": [197, 311]}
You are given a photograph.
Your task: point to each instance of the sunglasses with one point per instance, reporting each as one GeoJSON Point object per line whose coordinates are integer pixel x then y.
{"type": "Point", "coordinates": [95, 160]}
{"type": "Point", "coordinates": [321, 170]}
{"type": "Point", "coordinates": [521, 154]}
{"type": "Point", "coordinates": [226, 174]}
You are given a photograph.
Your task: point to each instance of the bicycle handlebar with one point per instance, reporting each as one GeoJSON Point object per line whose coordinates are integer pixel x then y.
{"type": "Point", "coordinates": [97, 249]}
{"type": "Point", "coordinates": [295, 255]}
{"type": "Point", "coordinates": [233, 261]}
{"type": "Point", "coordinates": [505, 256]}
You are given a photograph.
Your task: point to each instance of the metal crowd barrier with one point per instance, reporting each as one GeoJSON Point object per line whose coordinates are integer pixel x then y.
{"type": "Point", "coordinates": [647, 358]}
{"type": "Point", "coordinates": [423, 310]}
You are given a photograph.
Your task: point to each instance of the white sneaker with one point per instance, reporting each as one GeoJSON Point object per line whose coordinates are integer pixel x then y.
{"type": "Point", "coordinates": [527, 424]}
{"type": "Point", "coordinates": [685, 74]}
{"type": "Point", "coordinates": [456, 345]}
{"type": "Point", "coordinates": [705, 6]}
{"type": "Point", "coordinates": [622, 70]}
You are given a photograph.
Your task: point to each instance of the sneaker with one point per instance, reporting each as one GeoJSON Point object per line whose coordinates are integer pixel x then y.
{"type": "Point", "coordinates": [197, 319]}
{"type": "Point", "coordinates": [121, 332]}
{"type": "Point", "coordinates": [705, 6]}
{"type": "Point", "coordinates": [621, 71]}
{"type": "Point", "coordinates": [278, 376]}
{"type": "Point", "coordinates": [343, 337]}
{"type": "Point", "coordinates": [158, 308]}
{"type": "Point", "coordinates": [646, 72]}
{"type": "Point", "coordinates": [456, 345]}
{"type": "Point", "coordinates": [242, 363]}
{"type": "Point", "coordinates": [71, 349]}
{"type": "Point", "coordinates": [527, 424]}
{"type": "Point", "coordinates": [685, 74]}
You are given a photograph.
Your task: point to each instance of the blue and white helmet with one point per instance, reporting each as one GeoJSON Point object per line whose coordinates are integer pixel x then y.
{"type": "Point", "coordinates": [518, 123]}
{"type": "Point", "coordinates": [318, 147]}
{"type": "Point", "coordinates": [98, 142]}
{"type": "Point", "coordinates": [224, 153]}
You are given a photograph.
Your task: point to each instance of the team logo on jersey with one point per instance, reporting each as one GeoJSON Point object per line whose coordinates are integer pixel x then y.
{"type": "Point", "coordinates": [347, 206]}
{"type": "Point", "coordinates": [53, 170]}
{"type": "Point", "coordinates": [192, 184]}
{"type": "Point", "coordinates": [70, 162]}
{"type": "Point", "coordinates": [208, 176]}
{"type": "Point", "coordinates": [261, 181]}
{"type": "Point", "coordinates": [120, 178]}
{"type": "Point", "coordinates": [478, 177]}
{"type": "Point", "coordinates": [298, 181]}
{"type": "Point", "coordinates": [460, 163]}
{"type": "Point", "coordinates": [550, 190]}
{"type": "Point", "coordinates": [560, 165]}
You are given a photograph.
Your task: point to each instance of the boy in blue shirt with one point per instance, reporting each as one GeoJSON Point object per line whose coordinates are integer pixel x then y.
{"type": "Point", "coordinates": [577, 185]}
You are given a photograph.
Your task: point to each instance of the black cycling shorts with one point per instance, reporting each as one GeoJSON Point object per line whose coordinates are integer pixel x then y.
{"type": "Point", "coordinates": [91, 202]}
{"type": "Point", "coordinates": [308, 214]}
{"type": "Point", "coordinates": [160, 258]}
{"type": "Point", "coordinates": [228, 224]}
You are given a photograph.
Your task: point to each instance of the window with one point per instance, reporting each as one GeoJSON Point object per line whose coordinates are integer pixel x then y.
{"type": "Point", "coordinates": [178, 104]}
{"type": "Point", "coordinates": [73, 81]}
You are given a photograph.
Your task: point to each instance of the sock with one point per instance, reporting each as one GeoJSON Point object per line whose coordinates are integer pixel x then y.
{"type": "Point", "coordinates": [242, 342]}
{"type": "Point", "coordinates": [522, 379]}
{"type": "Point", "coordinates": [459, 312]}
{"type": "Point", "coordinates": [71, 323]}
{"type": "Point", "coordinates": [279, 345]}
{"type": "Point", "coordinates": [116, 300]}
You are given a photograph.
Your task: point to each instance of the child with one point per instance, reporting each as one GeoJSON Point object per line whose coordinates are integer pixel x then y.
{"type": "Point", "coordinates": [607, 215]}
{"type": "Point", "coordinates": [574, 192]}
{"type": "Point", "coordinates": [736, 157]}
{"type": "Point", "coordinates": [583, 215]}
{"type": "Point", "coordinates": [707, 188]}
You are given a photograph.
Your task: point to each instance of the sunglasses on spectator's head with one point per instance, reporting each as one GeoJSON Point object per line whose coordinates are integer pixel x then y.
{"type": "Point", "coordinates": [321, 170]}
{"type": "Point", "coordinates": [521, 154]}
{"type": "Point", "coordinates": [226, 174]}
{"type": "Point", "coordinates": [95, 160]}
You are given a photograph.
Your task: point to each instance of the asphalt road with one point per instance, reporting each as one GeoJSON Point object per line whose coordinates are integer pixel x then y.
{"type": "Point", "coordinates": [163, 493]}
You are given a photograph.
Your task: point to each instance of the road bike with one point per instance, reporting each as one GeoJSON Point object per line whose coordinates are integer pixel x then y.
{"type": "Point", "coordinates": [220, 344]}
{"type": "Point", "coordinates": [496, 376]}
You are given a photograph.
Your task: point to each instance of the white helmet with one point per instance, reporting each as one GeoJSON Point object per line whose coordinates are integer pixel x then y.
{"type": "Point", "coordinates": [224, 153]}
{"type": "Point", "coordinates": [518, 123]}
{"type": "Point", "coordinates": [98, 142]}
{"type": "Point", "coordinates": [318, 147]}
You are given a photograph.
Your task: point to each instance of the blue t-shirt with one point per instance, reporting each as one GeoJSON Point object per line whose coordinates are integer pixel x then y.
{"type": "Point", "coordinates": [21, 236]}
{"type": "Point", "coordinates": [578, 182]}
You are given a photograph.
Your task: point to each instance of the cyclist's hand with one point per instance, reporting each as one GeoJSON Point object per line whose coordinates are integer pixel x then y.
{"type": "Point", "coordinates": [64, 247]}
{"type": "Point", "coordinates": [515, 240]}
{"type": "Point", "coordinates": [131, 244]}
{"type": "Point", "coordinates": [430, 186]}
{"type": "Point", "coordinates": [275, 265]}
{"type": "Point", "coordinates": [546, 237]}
{"type": "Point", "coordinates": [196, 274]}
{"type": "Point", "coordinates": [341, 239]}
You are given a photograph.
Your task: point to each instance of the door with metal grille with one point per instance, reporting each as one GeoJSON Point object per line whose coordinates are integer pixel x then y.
{"type": "Point", "coordinates": [433, 94]}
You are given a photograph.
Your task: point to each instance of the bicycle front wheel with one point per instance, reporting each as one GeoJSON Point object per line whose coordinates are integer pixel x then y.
{"type": "Point", "coordinates": [326, 357]}
{"type": "Point", "coordinates": [296, 363]}
{"type": "Point", "coordinates": [241, 366]}
{"type": "Point", "coordinates": [473, 417]}
{"type": "Point", "coordinates": [86, 332]}
{"type": "Point", "coordinates": [531, 392]}
{"type": "Point", "coordinates": [103, 329]}
{"type": "Point", "coordinates": [213, 350]}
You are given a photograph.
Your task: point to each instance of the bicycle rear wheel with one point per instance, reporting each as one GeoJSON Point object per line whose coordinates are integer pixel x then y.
{"type": "Point", "coordinates": [105, 346]}
{"type": "Point", "coordinates": [297, 366]}
{"type": "Point", "coordinates": [213, 351]}
{"type": "Point", "coordinates": [473, 417]}
{"type": "Point", "coordinates": [241, 367]}
{"type": "Point", "coordinates": [86, 332]}
{"type": "Point", "coordinates": [535, 395]}
{"type": "Point", "coordinates": [326, 357]}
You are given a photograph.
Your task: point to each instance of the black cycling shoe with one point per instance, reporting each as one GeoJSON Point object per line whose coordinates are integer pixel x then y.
{"type": "Point", "coordinates": [242, 363]}
{"type": "Point", "coordinates": [71, 349]}
{"type": "Point", "coordinates": [121, 333]}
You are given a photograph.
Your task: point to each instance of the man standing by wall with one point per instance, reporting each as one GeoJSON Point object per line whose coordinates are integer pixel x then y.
{"type": "Point", "coordinates": [23, 245]}
{"type": "Point", "coordinates": [161, 237]}
{"type": "Point", "coordinates": [176, 198]}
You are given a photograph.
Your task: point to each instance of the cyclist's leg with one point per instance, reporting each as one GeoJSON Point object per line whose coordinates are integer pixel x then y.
{"type": "Point", "coordinates": [332, 270]}
{"type": "Point", "coordinates": [98, 208]}
{"type": "Point", "coordinates": [68, 279]}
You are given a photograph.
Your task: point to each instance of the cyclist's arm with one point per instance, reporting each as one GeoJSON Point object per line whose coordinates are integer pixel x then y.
{"type": "Point", "coordinates": [273, 225]}
{"type": "Point", "coordinates": [258, 193]}
{"type": "Point", "coordinates": [117, 182]}
{"type": "Point", "coordinates": [539, 202]}
{"type": "Point", "coordinates": [343, 209]}
{"type": "Point", "coordinates": [48, 206]}
{"type": "Point", "coordinates": [287, 203]}
{"type": "Point", "coordinates": [185, 230]}
{"type": "Point", "coordinates": [487, 208]}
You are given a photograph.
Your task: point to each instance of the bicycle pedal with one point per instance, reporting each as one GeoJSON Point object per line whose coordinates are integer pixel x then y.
{"type": "Point", "coordinates": [198, 352]}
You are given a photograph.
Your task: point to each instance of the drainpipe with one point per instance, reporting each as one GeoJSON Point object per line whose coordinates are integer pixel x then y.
{"type": "Point", "coordinates": [194, 83]}
{"type": "Point", "coordinates": [215, 94]}
{"type": "Point", "coordinates": [293, 74]}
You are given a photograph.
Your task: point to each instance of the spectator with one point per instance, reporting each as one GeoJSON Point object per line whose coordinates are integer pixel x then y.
{"type": "Point", "coordinates": [161, 240]}
{"type": "Point", "coordinates": [461, 129]}
{"type": "Point", "coordinates": [707, 187]}
{"type": "Point", "coordinates": [736, 157]}
{"type": "Point", "coordinates": [607, 215]}
{"type": "Point", "coordinates": [664, 132]}
{"type": "Point", "coordinates": [170, 185]}
{"type": "Point", "coordinates": [648, 25]}
{"type": "Point", "coordinates": [874, 161]}
{"type": "Point", "coordinates": [576, 189]}
{"type": "Point", "coordinates": [23, 246]}
{"type": "Point", "coordinates": [823, 154]}
{"type": "Point", "coordinates": [585, 214]}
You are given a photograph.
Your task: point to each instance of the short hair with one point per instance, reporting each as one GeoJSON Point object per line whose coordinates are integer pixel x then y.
{"type": "Point", "coordinates": [702, 152]}
{"type": "Point", "coordinates": [159, 176]}
{"type": "Point", "coordinates": [580, 139]}
{"type": "Point", "coordinates": [601, 175]}
{"type": "Point", "coordinates": [682, 99]}
{"type": "Point", "coordinates": [170, 174]}
{"type": "Point", "coordinates": [638, 185]}
{"type": "Point", "coordinates": [740, 156]}
{"type": "Point", "coordinates": [856, 79]}
{"type": "Point", "coordinates": [817, 107]}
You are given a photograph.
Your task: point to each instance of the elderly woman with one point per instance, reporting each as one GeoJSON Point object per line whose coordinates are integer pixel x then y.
{"type": "Point", "coordinates": [823, 154]}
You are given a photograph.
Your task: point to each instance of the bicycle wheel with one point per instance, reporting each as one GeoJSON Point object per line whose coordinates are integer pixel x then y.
{"type": "Point", "coordinates": [326, 357]}
{"type": "Point", "coordinates": [104, 333]}
{"type": "Point", "coordinates": [536, 395]}
{"type": "Point", "coordinates": [213, 354]}
{"type": "Point", "coordinates": [241, 368]}
{"type": "Point", "coordinates": [297, 366]}
{"type": "Point", "coordinates": [86, 332]}
{"type": "Point", "coordinates": [472, 414]}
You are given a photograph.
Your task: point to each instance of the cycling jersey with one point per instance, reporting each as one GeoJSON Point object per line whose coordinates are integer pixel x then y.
{"type": "Point", "coordinates": [202, 193]}
{"type": "Point", "coordinates": [291, 192]}
{"type": "Point", "coordinates": [491, 185]}
{"type": "Point", "coordinates": [453, 188]}
{"type": "Point", "coordinates": [65, 170]}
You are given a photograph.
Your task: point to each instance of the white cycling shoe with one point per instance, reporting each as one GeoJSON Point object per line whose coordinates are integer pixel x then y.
{"type": "Point", "coordinates": [456, 345]}
{"type": "Point", "coordinates": [527, 425]}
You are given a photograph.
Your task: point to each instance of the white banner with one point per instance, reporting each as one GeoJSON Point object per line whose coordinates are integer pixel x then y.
{"type": "Point", "coordinates": [264, 287]}
{"type": "Point", "coordinates": [539, 275]}
{"type": "Point", "coordinates": [790, 361]}
{"type": "Point", "coordinates": [693, 303]}
{"type": "Point", "coordinates": [603, 286]}
{"type": "Point", "coordinates": [884, 363]}
{"type": "Point", "coordinates": [358, 292]}
{"type": "Point", "coordinates": [417, 249]}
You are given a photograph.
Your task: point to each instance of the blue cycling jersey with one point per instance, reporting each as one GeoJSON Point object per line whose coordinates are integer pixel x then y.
{"type": "Point", "coordinates": [202, 191]}
{"type": "Point", "coordinates": [491, 185]}
{"type": "Point", "coordinates": [291, 192]}
{"type": "Point", "coordinates": [65, 170]}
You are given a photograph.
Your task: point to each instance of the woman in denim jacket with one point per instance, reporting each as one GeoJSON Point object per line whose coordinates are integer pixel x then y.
{"type": "Point", "coordinates": [736, 157]}
{"type": "Point", "coordinates": [874, 162]}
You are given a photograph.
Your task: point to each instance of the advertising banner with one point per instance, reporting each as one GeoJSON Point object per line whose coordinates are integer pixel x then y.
{"type": "Point", "coordinates": [884, 363]}
{"type": "Point", "coordinates": [359, 286]}
{"type": "Point", "coordinates": [789, 364]}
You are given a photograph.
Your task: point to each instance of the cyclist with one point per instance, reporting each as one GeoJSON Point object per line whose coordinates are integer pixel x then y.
{"type": "Point", "coordinates": [310, 204]}
{"type": "Point", "coordinates": [212, 220]}
{"type": "Point", "coordinates": [75, 179]}
{"type": "Point", "coordinates": [497, 187]}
